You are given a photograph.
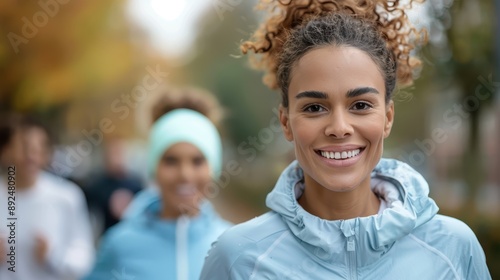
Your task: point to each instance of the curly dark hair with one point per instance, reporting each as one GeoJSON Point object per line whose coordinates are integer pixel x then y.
{"type": "Point", "coordinates": [199, 100]}
{"type": "Point", "coordinates": [378, 27]}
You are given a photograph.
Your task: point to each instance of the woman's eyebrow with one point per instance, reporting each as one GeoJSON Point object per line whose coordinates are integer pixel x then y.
{"type": "Point", "coordinates": [169, 157]}
{"type": "Point", "coordinates": [359, 91]}
{"type": "Point", "coordinates": [312, 94]}
{"type": "Point", "coordinates": [350, 93]}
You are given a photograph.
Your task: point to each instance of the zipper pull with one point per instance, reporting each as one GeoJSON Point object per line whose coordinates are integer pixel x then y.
{"type": "Point", "coordinates": [351, 246]}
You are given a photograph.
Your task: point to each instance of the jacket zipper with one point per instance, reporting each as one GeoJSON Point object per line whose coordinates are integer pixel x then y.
{"type": "Point", "coordinates": [351, 252]}
{"type": "Point", "coordinates": [181, 244]}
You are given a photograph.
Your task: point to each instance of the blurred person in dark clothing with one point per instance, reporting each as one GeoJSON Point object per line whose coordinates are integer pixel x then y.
{"type": "Point", "coordinates": [112, 189]}
{"type": "Point", "coordinates": [51, 237]}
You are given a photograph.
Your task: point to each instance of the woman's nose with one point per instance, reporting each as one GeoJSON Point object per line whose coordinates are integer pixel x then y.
{"type": "Point", "coordinates": [339, 124]}
{"type": "Point", "coordinates": [186, 171]}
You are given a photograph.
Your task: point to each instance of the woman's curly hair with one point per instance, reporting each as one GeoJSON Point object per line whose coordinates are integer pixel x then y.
{"type": "Point", "coordinates": [381, 28]}
{"type": "Point", "coordinates": [202, 101]}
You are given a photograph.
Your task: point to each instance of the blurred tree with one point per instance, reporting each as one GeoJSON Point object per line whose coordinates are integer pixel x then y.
{"type": "Point", "coordinates": [58, 55]}
{"type": "Point", "coordinates": [463, 63]}
{"type": "Point", "coordinates": [497, 92]}
{"type": "Point", "coordinates": [219, 66]}
{"type": "Point", "coordinates": [456, 61]}
{"type": "Point", "coordinates": [471, 41]}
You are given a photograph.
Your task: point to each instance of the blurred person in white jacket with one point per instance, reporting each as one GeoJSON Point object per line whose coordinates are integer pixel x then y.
{"type": "Point", "coordinates": [46, 233]}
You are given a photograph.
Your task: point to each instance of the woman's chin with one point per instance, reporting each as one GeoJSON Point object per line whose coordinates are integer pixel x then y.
{"type": "Point", "coordinates": [340, 183]}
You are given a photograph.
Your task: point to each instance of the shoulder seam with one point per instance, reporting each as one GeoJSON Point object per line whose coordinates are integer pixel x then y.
{"type": "Point", "coordinates": [267, 252]}
{"type": "Point", "coordinates": [437, 252]}
{"type": "Point", "coordinates": [254, 241]}
{"type": "Point", "coordinates": [234, 262]}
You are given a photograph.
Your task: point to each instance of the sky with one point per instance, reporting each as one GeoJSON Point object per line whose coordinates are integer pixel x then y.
{"type": "Point", "coordinates": [171, 23]}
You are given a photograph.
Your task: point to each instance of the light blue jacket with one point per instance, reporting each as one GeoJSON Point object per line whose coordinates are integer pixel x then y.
{"type": "Point", "coordinates": [408, 240]}
{"type": "Point", "coordinates": [143, 246]}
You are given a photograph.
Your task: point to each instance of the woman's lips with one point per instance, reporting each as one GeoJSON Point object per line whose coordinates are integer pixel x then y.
{"type": "Point", "coordinates": [186, 190]}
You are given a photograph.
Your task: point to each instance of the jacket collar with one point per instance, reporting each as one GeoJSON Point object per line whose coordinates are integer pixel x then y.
{"type": "Point", "coordinates": [404, 190]}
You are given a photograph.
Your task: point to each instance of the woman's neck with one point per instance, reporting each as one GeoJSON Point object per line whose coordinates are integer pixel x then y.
{"type": "Point", "coordinates": [330, 205]}
{"type": "Point", "coordinates": [170, 213]}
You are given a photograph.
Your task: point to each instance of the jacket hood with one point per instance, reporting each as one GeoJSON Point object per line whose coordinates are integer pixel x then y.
{"type": "Point", "coordinates": [408, 206]}
{"type": "Point", "coordinates": [147, 200]}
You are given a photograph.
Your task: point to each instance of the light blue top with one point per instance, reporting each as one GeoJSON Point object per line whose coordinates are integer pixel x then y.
{"type": "Point", "coordinates": [408, 240]}
{"type": "Point", "coordinates": [185, 125]}
{"type": "Point", "coordinates": [143, 246]}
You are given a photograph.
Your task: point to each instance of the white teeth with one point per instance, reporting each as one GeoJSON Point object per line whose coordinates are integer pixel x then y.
{"type": "Point", "coordinates": [340, 155]}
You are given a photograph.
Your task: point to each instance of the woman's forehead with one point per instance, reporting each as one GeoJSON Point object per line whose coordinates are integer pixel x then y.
{"type": "Point", "coordinates": [183, 149]}
{"type": "Point", "coordinates": [335, 69]}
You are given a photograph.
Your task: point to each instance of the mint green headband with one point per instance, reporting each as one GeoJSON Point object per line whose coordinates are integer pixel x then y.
{"type": "Point", "coordinates": [184, 125]}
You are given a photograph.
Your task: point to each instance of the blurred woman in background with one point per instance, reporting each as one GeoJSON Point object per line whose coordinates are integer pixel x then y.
{"type": "Point", "coordinates": [340, 211]}
{"type": "Point", "coordinates": [168, 229]}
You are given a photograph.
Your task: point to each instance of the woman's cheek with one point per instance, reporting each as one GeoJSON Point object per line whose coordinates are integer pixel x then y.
{"type": "Point", "coordinates": [164, 176]}
{"type": "Point", "coordinates": [206, 184]}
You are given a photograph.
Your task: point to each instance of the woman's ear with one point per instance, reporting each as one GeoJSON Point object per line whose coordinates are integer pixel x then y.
{"type": "Point", "coordinates": [285, 123]}
{"type": "Point", "coordinates": [389, 118]}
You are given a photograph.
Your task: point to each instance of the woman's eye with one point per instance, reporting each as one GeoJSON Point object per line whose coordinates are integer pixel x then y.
{"type": "Point", "coordinates": [361, 106]}
{"type": "Point", "coordinates": [169, 160]}
{"type": "Point", "coordinates": [199, 161]}
{"type": "Point", "coordinates": [314, 108]}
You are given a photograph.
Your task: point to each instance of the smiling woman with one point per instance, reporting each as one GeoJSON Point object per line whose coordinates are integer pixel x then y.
{"type": "Point", "coordinates": [340, 211]}
{"type": "Point", "coordinates": [168, 228]}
